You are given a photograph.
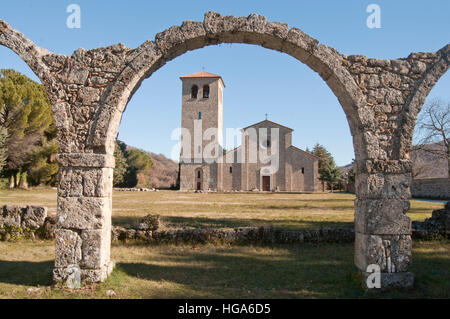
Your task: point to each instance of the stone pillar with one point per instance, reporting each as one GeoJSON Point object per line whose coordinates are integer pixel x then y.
{"type": "Point", "coordinates": [382, 229]}
{"type": "Point", "coordinates": [83, 234]}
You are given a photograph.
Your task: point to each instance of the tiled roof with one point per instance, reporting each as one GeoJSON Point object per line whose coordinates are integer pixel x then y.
{"type": "Point", "coordinates": [203, 75]}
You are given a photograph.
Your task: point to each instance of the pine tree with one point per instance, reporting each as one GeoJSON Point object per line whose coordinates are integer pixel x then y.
{"type": "Point", "coordinates": [121, 165]}
{"type": "Point", "coordinates": [328, 170]}
{"type": "Point", "coordinates": [26, 113]}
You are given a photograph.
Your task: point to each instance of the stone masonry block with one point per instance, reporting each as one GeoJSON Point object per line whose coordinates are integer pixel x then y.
{"type": "Point", "coordinates": [68, 248]}
{"type": "Point", "coordinates": [11, 216]}
{"type": "Point", "coordinates": [382, 216]}
{"type": "Point", "coordinates": [98, 182]}
{"type": "Point", "coordinates": [382, 185]}
{"type": "Point", "coordinates": [83, 212]}
{"type": "Point", "coordinates": [85, 160]}
{"type": "Point", "coordinates": [82, 181]}
{"type": "Point", "coordinates": [95, 248]}
{"type": "Point", "coordinates": [392, 280]}
{"type": "Point", "coordinates": [392, 253]}
{"type": "Point", "coordinates": [33, 217]}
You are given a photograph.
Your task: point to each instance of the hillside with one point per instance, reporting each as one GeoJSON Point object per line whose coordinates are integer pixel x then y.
{"type": "Point", "coordinates": [164, 171]}
{"type": "Point", "coordinates": [425, 164]}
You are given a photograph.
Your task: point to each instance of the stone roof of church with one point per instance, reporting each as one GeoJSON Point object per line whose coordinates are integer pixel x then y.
{"type": "Point", "coordinates": [203, 75]}
{"type": "Point", "coordinates": [269, 122]}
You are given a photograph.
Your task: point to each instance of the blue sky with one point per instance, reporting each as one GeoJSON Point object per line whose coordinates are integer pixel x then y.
{"type": "Point", "coordinates": [258, 80]}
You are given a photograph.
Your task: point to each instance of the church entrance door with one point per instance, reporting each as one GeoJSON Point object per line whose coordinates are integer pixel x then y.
{"type": "Point", "coordinates": [266, 183]}
{"type": "Point", "coordinates": [199, 186]}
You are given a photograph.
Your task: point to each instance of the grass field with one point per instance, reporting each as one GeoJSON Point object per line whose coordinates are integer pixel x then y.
{"type": "Point", "coordinates": [179, 209]}
{"type": "Point", "coordinates": [169, 271]}
{"type": "Point", "coordinates": [208, 271]}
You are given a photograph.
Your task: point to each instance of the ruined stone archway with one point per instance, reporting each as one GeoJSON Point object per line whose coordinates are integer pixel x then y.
{"type": "Point", "coordinates": [90, 89]}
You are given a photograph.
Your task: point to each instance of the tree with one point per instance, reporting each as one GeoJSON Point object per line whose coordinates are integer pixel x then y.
{"type": "Point", "coordinates": [122, 166]}
{"type": "Point", "coordinates": [132, 167]}
{"type": "Point", "coordinates": [324, 160]}
{"type": "Point", "coordinates": [26, 113]}
{"type": "Point", "coordinates": [3, 137]}
{"type": "Point", "coordinates": [328, 170]}
{"type": "Point", "coordinates": [433, 127]}
{"type": "Point", "coordinates": [332, 174]}
{"type": "Point", "coordinates": [139, 160]}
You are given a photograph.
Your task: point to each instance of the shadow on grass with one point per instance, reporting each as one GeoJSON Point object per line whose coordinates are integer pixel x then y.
{"type": "Point", "coordinates": [205, 222]}
{"type": "Point", "coordinates": [26, 272]}
{"type": "Point", "coordinates": [305, 271]}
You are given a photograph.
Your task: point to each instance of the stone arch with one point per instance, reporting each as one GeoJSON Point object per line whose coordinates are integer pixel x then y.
{"type": "Point", "coordinates": [26, 50]}
{"type": "Point", "coordinates": [418, 96]}
{"type": "Point", "coordinates": [90, 90]}
{"type": "Point", "coordinates": [216, 29]}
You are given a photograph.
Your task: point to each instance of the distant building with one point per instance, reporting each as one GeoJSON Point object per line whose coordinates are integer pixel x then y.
{"type": "Point", "coordinates": [290, 168]}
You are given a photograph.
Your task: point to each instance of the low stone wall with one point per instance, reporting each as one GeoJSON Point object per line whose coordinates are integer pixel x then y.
{"type": "Point", "coordinates": [25, 221]}
{"type": "Point", "coordinates": [135, 189]}
{"type": "Point", "coordinates": [243, 235]}
{"type": "Point", "coordinates": [32, 221]}
{"type": "Point", "coordinates": [431, 188]}
{"type": "Point", "coordinates": [435, 227]}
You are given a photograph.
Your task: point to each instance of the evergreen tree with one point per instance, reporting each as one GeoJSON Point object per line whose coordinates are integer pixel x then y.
{"type": "Point", "coordinates": [132, 167]}
{"type": "Point", "coordinates": [328, 170]}
{"type": "Point", "coordinates": [121, 165]}
{"type": "Point", "coordinates": [26, 113]}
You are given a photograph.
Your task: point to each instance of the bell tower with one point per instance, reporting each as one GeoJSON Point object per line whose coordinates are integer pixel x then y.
{"type": "Point", "coordinates": [202, 136]}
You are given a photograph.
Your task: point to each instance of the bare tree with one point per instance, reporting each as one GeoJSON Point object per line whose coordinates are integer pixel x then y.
{"type": "Point", "coordinates": [433, 127]}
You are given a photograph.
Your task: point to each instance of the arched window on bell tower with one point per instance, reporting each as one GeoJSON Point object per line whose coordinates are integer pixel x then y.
{"type": "Point", "coordinates": [194, 91]}
{"type": "Point", "coordinates": [206, 91]}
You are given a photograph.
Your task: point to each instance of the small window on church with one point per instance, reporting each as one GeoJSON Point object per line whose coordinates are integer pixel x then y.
{"type": "Point", "coordinates": [199, 149]}
{"type": "Point", "coordinates": [199, 174]}
{"type": "Point", "coordinates": [231, 170]}
{"type": "Point", "coordinates": [199, 115]}
{"type": "Point", "coordinates": [206, 91]}
{"type": "Point", "coordinates": [303, 170]}
{"type": "Point", "coordinates": [194, 91]}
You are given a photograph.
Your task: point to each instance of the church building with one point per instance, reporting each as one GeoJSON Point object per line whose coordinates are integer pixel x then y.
{"type": "Point", "coordinates": [266, 160]}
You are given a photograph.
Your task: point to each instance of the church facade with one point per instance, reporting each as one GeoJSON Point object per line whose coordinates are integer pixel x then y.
{"type": "Point", "coordinates": [266, 160]}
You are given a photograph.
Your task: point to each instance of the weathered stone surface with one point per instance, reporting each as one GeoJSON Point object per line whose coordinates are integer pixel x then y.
{"type": "Point", "coordinates": [85, 160]}
{"type": "Point", "coordinates": [392, 280]}
{"type": "Point", "coordinates": [33, 217]}
{"type": "Point", "coordinates": [83, 212]}
{"type": "Point", "coordinates": [382, 185]}
{"type": "Point", "coordinates": [382, 216]}
{"type": "Point", "coordinates": [88, 182]}
{"type": "Point", "coordinates": [391, 252]}
{"type": "Point", "coordinates": [68, 248]}
{"type": "Point", "coordinates": [97, 275]}
{"type": "Point", "coordinates": [49, 228]}
{"type": "Point", "coordinates": [95, 248]}
{"type": "Point", "coordinates": [150, 222]}
{"type": "Point", "coordinates": [70, 276]}
{"type": "Point", "coordinates": [11, 216]}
